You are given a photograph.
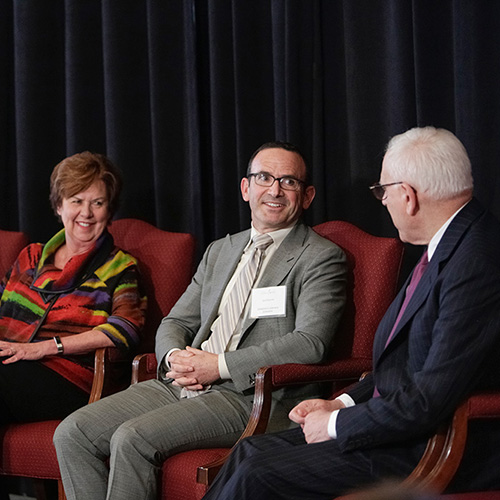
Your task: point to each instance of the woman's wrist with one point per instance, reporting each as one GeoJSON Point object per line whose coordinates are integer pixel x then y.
{"type": "Point", "coordinates": [59, 345]}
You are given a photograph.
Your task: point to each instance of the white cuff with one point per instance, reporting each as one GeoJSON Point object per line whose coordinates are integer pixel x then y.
{"type": "Point", "coordinates": [346, 399]}
{"type": "Point", "coordinates": [223, 369]}
{"type": "Point", "coordinates": [332, 422]}
{"type": "Point", "coordinates": [167, 364]}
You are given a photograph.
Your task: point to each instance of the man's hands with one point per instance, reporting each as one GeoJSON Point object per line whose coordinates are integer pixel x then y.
{"type": "Point", "coordinates": [193, 369]}
{"type": "Point", "coordinates": [313, 416]}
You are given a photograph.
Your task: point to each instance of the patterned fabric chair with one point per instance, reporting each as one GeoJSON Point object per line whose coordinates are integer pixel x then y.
{"type": "Point", "coordinates": [166, 262]}
{"type": "Point", "coordinates": [445, 449]}
{"type": "Point", "coordinates": [374, 266]}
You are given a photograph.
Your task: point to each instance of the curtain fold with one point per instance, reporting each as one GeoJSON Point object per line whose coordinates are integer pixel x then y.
{"type": "Point", "coordinates": [179, 93]}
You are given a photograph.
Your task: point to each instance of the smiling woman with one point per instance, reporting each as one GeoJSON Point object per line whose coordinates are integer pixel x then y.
{"type": "Point", "coordinates": [85, 216]}
{"type": "Point", "coordinates": [63, 300]}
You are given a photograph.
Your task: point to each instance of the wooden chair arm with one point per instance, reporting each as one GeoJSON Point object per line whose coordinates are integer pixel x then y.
{"type": "Point", "coordinates": [430, 458]}
{"type": "Point", "coordinates": [445, 449]}
{"type": "Point", "coordinates": [99, 375]}
{"type": "Point", "coordinates": [111, 373]}
{"type": "Point", "coordinates": [257, 423]}
{"type": "Point", "coordinates": [443, 454]}
{"type": "Point", "coordinates": [144, 367]}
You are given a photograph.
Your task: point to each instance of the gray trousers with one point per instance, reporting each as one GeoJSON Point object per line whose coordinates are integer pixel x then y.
{"type": "Point", "coordinates": [137, 429]}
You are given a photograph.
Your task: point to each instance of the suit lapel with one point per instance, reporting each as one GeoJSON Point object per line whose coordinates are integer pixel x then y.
{"type": "Point", "coordinates": [229, 256]}
{"type": "Point", "coordinates": [450, 240]}
{"type": "Point", "coordinates": [284, 258]}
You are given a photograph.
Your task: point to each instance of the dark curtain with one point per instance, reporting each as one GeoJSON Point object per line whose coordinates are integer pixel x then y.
{"type": "Point", "coordinates": [180, 92]}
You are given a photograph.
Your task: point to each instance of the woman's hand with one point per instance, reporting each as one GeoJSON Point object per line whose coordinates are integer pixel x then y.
{"type": "Point", "coordinates": [17, 351]}
{"type": "Point", "coordinates": [80, 343]}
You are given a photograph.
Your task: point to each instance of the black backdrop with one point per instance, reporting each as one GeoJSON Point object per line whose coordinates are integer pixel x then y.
{"type": "Point", "coordinates": [180, 92]}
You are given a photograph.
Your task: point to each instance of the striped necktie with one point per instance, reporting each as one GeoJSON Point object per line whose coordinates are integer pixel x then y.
{"type": "Point", "coordinates": [238, 297]}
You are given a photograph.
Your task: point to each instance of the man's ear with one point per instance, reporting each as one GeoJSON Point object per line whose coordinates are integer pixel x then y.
{"type": "Point", "coordinates": [244, 186]}
{"type": "Point", "coordinates": [309, 194]}
{"type": "Point", "coordinates": [411, 198]}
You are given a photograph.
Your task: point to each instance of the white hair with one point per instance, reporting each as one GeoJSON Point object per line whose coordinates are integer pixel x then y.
{"type": "Point", "coordinates": [432, 160]}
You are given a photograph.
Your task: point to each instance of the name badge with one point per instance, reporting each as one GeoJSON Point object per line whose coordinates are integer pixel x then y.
{"type": "Point", "coordinates": [268, 302]}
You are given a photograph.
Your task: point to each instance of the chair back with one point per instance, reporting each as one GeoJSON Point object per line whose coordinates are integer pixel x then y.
{"type": "Point", "coordinates": [166, 261]}
{"type": "Point", "coordinates": [374, 264]}
{"type": "Point", "coordinates": [12, 243]}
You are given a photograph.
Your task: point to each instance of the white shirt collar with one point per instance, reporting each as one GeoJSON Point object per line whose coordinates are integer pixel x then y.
{"type": "Point", "coordinates": [278, 236]}
{"type": "Point", "coordinates": [431, 248]}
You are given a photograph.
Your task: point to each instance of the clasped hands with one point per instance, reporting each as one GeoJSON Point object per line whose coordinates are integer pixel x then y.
{"type": "Point", "coordinates": [193, 369]}
{"type": "Point", "coordinates": [313, 416]}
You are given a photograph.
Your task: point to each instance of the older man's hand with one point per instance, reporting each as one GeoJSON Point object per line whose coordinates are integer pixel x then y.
{"type": "Point", "coordinates": [313, 416]}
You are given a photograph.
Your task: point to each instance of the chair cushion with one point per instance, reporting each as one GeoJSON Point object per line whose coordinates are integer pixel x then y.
{"type": "Point", "coordinates": [27, 450]}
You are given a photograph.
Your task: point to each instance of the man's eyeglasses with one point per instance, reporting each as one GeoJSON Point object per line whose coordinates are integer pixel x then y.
{"type": "Point", "coordinates": [378, 189]}
{"type": "Point", "coordinates": [267, 180]}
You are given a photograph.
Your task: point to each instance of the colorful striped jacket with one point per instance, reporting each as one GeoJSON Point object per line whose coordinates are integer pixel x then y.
{"type": "Point", "coordinates": [97, 290]}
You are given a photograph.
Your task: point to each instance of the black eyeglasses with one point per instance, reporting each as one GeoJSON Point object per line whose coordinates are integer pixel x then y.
{"type": "Point", "coordinates": [378, 189]}
{"type": "Point", "coordinates": [286, 182]}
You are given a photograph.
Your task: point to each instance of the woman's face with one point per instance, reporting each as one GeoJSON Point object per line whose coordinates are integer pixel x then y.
{"type": "Point", "coordinates": [85, 216]}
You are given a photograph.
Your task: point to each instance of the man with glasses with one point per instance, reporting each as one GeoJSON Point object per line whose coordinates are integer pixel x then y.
{"type": "Point", "coordinates": [438, 342]}
{"type": "Point", "coordinates": [271, 294]}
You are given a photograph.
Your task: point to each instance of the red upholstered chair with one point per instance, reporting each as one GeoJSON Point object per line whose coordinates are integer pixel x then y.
{"type": "Point", "coordinates": [166, 263]}
{"type": "Point", "coordinates": [11, 243]}
{"type": "Point", "coordinates": [374, 266]}
{"type": "Point", "coordinates": [445, 450]}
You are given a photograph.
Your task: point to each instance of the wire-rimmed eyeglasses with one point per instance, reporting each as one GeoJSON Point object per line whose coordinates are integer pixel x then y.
{"type": "Point", "coordinates": [287, 182]}
{"type": "Point", "coordinates": [378, 189]}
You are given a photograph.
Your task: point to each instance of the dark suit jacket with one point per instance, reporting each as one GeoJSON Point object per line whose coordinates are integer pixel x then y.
{"type": "Point", "coordinates": [314, 272]}
{"type": "Point", "coordinates": [445, 346]}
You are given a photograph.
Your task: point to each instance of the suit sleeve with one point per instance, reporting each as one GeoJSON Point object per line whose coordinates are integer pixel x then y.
{"type": "Point", "coordinates": [457, 331]}
{"type": "Point", "coordinates": [178, 329]}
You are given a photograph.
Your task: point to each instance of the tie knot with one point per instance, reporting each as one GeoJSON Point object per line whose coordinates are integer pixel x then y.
{"type": "Point", "coordinates": [262, 241]}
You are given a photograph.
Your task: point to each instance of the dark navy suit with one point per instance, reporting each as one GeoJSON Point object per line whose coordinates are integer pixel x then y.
{"type": "Point", "coordinates": [445, 346]}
